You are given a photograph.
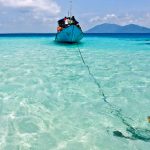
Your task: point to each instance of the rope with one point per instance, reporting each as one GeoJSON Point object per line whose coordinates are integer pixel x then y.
{"type": "Point", "coordinates": [136, 133]}
{"type": "Point", "coordinates": [101, 92]}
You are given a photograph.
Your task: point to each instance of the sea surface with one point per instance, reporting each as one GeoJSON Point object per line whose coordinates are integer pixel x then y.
{"type": "Point", "coordinates": [94, 95]}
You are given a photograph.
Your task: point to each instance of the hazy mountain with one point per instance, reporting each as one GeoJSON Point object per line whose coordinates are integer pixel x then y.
{"type": "Point", "coordinates": [114, 28]}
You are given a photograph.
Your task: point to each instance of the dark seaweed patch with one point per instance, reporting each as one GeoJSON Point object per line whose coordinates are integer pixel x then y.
{"type": "Point", "coordinates": [118, 134]}
{"type": "Point", "coordinates": [140, 134]}
{"type": "Point", "coordinates": [136, 134]}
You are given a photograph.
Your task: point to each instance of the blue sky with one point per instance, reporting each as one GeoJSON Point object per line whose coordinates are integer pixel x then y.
{"type": "Point", "coordinates": [42, 15]}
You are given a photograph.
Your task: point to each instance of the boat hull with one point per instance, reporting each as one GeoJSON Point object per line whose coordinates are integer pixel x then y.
{"type": "Point", "coordinates": [71, 34]}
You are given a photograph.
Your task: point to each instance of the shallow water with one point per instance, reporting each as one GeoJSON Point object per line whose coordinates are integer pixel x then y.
{"type": "Point", "coordinates": [49, 100]}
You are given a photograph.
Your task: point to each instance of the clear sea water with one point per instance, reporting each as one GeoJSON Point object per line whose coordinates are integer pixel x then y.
{"type": "Point", "coordinates": [51, 100]}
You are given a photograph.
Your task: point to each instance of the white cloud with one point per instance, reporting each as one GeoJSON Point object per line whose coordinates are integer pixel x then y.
{"type": "Point", "coordinates": [49, 20]}
{"type": "Point", "coordinates": [95, 19]}
{"type": "Point", "coordinates": [109, 16]}
{"type": "Point", "coordinates": [105, 18]}
{"type": "Point", "coordinates": [28, 15]}
{"type": "Point", "coordinates": [122, 19]}
{"type": "Point", "coordinates": [37, 5]}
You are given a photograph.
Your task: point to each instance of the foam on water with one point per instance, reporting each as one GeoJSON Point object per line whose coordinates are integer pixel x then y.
{"type": "Point", "coordinates": [48, 99]}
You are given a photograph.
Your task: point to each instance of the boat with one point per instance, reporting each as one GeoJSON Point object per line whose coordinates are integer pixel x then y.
{"type": "Point", "coordinates": [69, 30]}
{"type": "Point", "coordinates": [70, 34]}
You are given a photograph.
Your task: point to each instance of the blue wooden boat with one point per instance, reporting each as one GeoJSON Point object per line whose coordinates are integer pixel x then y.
{"type": "Point", "coordinates": [70, 34]}
{"type": "Point", "coordinates": [69, 30]}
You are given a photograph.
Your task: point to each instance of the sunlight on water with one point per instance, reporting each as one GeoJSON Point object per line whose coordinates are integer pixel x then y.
{"type": "Point", "coordinates": [49, 101]}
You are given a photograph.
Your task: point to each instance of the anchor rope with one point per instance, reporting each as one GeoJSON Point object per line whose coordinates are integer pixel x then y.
{"type": "Point", "coordinates": [101, 92]}
{"type": "Point", "coordinates": [114, 109]}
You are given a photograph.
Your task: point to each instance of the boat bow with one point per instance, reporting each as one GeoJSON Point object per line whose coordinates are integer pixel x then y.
{"type": "Point", "coordinates": [70, 34]}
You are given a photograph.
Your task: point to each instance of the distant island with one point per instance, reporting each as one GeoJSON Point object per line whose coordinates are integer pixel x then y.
{"type": "Point", "coordinates": [114, 28]}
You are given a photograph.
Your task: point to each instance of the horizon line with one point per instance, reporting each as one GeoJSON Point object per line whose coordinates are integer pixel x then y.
{"type": "Point", "coordinates": [45, 33]}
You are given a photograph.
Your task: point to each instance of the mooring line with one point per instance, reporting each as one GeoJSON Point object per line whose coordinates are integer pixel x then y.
{"type": "Point", "coordinates": [101, 92]}
{"type": "Point", "coordinates": [115, 110]}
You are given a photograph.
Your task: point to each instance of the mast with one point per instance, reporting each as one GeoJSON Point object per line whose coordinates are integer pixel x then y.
{"type": "Point", "coordinates": [70, 11]}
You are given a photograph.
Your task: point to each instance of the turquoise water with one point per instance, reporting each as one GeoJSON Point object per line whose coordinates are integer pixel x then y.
{"type": "Point", "coordinates": [52, 99]}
